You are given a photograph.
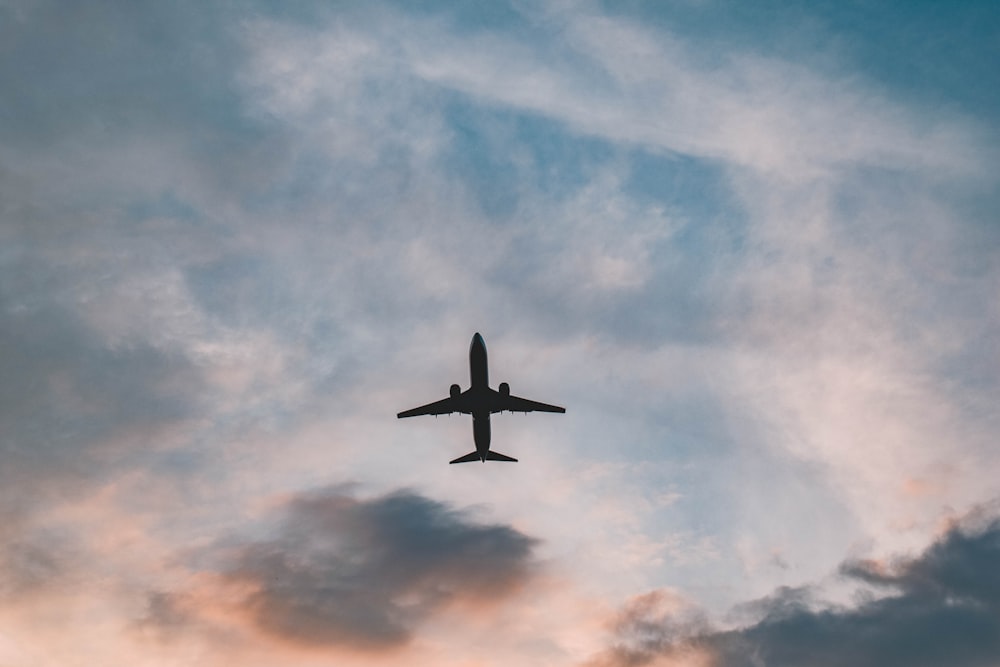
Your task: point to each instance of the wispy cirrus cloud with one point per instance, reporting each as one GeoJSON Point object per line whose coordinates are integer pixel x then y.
{"type": "Point", "coordinates": [617, 79]}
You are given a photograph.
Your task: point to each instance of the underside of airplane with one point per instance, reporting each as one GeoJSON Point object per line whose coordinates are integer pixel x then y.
{"type": "Point", "coordinates": [480, 401]}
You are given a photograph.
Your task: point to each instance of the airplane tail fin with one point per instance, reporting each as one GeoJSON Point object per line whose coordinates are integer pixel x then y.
{"type": "Point", "coordinates": [490, 456]}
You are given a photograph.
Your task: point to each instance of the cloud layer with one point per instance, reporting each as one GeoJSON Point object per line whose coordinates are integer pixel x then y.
{"type": "Point", "coordinates": [754, 252]}
{"type": "Point", "coordinates": [938, 607]}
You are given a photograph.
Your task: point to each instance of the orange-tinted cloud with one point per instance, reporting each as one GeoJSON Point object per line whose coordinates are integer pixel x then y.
{"type": "Point", "coordinates": [361, 574]}
{"type": "Point", "coordinates": [944, 609]}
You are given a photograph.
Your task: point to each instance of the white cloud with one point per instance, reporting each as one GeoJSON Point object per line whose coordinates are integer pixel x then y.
{"type": "Point", "coordinates": [623, 82]}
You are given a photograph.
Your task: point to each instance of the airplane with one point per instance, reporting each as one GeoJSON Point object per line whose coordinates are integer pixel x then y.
{"type": "Point", "coordinates": [480, 401]}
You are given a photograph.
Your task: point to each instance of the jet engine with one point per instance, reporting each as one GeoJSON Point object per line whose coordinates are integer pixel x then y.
{"type": "Point", "coordinates": [455, 391]}
{"type": "Point", "coordinates": [504, 388]}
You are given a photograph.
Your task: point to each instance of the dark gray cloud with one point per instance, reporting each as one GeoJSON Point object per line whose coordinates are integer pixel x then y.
{"type": "Point", "coordinates": [941, 608]}
{"type": "Point", "coordinates": [363, 573]}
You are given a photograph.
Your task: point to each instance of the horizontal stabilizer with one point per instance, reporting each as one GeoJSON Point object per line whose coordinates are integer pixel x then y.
{"type": "Point", "coordinates": [490, 456]}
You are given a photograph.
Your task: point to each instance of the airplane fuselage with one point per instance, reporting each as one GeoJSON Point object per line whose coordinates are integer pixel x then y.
{"type": "Point", "coordinates": [480, 385]}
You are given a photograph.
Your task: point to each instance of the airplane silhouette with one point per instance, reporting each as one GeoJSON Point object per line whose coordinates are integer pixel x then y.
{"type": "Point", "coordinates": [480, 401]}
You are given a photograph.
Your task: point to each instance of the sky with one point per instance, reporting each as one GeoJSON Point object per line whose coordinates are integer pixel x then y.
{"type": "Point", "coordinates": [752, 248]}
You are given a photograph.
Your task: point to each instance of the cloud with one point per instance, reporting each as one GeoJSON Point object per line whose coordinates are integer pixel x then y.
{"type": "Point", "coordinates": [658, 623]}
{"type": "Point", "coordinates": [256, 234]}
{"type": "Point", "coordinates": [73, 406]}
{"type": "Point", "coordinates": [940, 607]}
{"type": "Point", "coordinates": [361, 573]}
{"type": "Point", "coordinates": [27, 566]}
{"type": "Point", "coordinates": [623, 81]}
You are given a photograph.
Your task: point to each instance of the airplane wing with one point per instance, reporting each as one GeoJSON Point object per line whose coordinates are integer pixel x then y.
{"type": "Point", "coordinates": [518, 404]}
{"type": "Point", "coordinates": [443, 407]}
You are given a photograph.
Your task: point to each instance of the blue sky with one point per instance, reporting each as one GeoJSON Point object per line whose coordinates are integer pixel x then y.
{"type": "Point", "coordinates": [753, 250]}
